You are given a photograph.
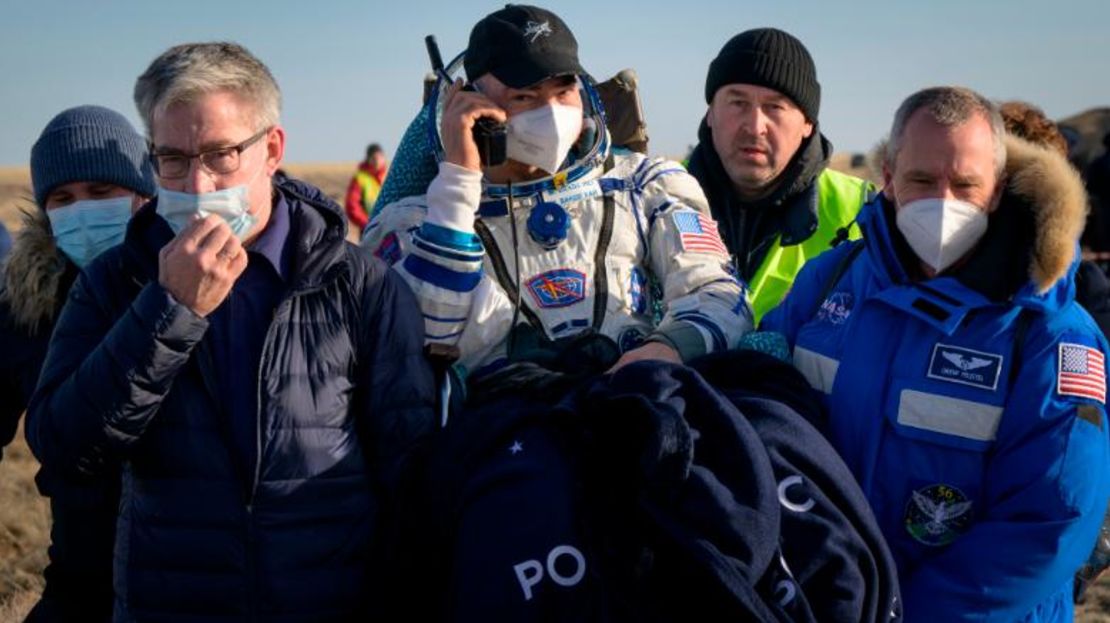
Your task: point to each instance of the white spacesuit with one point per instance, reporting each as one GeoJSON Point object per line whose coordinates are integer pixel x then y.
{"type": "Point", "coordinates": [589, 242]}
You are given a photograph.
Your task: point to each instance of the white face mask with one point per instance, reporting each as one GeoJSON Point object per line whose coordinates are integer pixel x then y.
{"type": "Point", "coordinates": [542, 137]}
{"type": "Point", "coordinates": [941, 231]}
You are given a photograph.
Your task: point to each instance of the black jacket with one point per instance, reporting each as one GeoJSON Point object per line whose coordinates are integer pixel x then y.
{"type": "Point", "coordinates": [344, 391]}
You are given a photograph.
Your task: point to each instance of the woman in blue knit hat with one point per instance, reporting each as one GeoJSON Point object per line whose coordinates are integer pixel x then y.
{"type": "Point", "coordinates": [90, 172]}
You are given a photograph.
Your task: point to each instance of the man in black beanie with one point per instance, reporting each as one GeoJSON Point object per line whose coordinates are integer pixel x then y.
{"type": "Point", "coordinates": [761, 160]}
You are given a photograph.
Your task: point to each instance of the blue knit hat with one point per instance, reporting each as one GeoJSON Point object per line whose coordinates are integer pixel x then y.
{"type": "Point", "coordinates": [90, 144]}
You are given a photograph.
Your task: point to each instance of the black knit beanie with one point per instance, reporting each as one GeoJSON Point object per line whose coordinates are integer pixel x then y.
{"type": "Point", "coordinates": [768, 57]}
{"type": "Point", "coordinates": [90, 144]}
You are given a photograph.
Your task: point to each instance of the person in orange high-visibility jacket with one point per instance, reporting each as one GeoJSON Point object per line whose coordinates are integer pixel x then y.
{"type": "Point", "coordinates": [363, 190]}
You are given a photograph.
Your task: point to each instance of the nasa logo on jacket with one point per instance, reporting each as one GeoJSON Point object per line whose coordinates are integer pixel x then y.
{"type": "Point", "coordinates": [836, 309]}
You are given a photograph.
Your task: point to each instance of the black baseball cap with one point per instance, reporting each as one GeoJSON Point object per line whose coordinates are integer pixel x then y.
{"type": "Point", "coordinates": [521, 45]}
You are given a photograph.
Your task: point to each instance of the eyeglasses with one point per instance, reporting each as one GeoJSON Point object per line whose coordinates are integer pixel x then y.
{"type": "Point", "coordinates": [219, 161]}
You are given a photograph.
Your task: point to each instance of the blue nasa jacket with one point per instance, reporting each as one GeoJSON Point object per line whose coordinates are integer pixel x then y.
{"type": "Point", "coordinates": [970, 407]}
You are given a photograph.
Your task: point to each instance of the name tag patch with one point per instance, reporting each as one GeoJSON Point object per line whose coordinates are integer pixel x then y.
{"type": "Point", "coordinates": [965, 366]}
{"type": "Point", "coordinates": [573, 192]}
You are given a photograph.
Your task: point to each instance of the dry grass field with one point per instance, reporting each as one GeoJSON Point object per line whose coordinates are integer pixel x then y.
{"type": "Point", "coordinates": [24, 516]}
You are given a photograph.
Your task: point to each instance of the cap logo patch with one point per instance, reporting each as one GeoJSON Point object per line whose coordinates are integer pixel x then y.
{"type": "Point", "coordinates": [535, 30]}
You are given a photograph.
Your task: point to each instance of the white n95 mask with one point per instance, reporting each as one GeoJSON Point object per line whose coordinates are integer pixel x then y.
{"type": "Point", "coordinates": [542, 137]}
{"type": "Point", "coordinates": [941, 231]}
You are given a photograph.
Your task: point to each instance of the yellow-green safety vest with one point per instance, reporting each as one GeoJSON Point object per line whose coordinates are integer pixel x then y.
{"type": "Point", "coordinates": [370, 189]}
{"type": "Point", "coordinates": [839, 198]}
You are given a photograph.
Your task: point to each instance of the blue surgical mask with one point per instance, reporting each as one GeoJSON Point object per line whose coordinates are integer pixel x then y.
{"type": "Point", "coordinates": [230, 204]}
{"type": "Point", "coordinates": [84, 229]}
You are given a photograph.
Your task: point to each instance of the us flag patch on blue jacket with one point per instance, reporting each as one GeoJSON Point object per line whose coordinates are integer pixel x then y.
{"type": "Point", "coordinates": [1081, 372]}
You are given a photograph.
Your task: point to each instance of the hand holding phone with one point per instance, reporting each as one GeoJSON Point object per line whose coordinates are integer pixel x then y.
{"type": "Point", "coordinates": [466, 107]}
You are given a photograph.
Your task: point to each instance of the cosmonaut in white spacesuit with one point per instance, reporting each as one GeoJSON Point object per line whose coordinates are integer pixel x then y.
{"type": "Point", "coordinates": [591, 228]}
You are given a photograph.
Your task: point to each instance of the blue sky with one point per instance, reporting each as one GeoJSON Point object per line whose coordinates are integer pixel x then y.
{"type": "Point", "coordinates": [351, 71]}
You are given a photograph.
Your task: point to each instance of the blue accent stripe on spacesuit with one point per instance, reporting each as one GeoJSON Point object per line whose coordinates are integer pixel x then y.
{"type": "Point", "coordinates": [659, 175]}
{"type": "Point", "coordinates": [657, 212]}
{"type": "Point", "coordinates": [572, 324]}
{"type": "Point", "coordinates": [638, 216]}
{"type": "Point", "coordinates": [493, 208]}
{"type": "Point", "coordinates": [445, 237]}
{"type": "Point", "coordinates": [609, 184]}
{"type": "Point", "coordinates": [429, 336]}
{"type": "Point", "coordinates": [644, 166]}
{"type": "Point", "coordinates": [419, 243]}
{"type": "Point", "coordinates": [442, 277]}
{"type": "Point", "coordinates": [445, 320]}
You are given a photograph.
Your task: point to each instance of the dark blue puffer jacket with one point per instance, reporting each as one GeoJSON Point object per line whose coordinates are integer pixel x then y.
{"type": "Point", "coordinates": [343, 392]}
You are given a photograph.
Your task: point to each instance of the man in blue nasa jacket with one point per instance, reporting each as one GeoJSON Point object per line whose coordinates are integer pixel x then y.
{"type": "Point", "coordinates": [965, 388]}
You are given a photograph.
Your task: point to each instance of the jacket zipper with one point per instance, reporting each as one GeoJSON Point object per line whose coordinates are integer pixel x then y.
{"type": "Point", "coordinates": [253, 488]}
{"type": "Point", "coordinates": [252, 566]}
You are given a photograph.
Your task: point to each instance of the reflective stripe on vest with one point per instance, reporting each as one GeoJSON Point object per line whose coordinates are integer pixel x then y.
{"type": "Point", "coordinates": [839, 198]}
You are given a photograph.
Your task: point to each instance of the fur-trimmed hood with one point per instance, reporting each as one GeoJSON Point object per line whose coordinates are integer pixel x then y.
{"type": "Point", "coordinates": [1053, 191]}
{"type": "Point", "coordinates": [34, 274]}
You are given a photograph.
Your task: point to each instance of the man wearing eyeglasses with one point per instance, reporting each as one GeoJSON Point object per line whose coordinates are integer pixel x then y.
{"type": "Point", "coordinates": [258, 378]}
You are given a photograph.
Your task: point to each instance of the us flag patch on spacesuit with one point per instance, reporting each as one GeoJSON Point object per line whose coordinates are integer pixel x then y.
{"type": "Point", "coordinates": [697, 233]}
{"type": "Point", "coordinates": [1081, 372]}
